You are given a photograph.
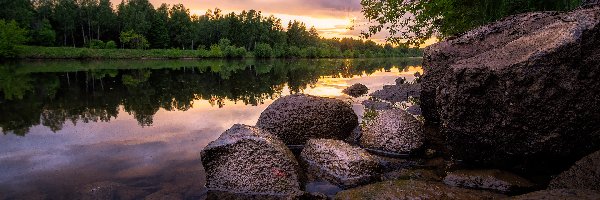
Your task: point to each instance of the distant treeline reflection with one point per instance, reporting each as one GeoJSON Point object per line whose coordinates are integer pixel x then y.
{"type": "Point", "coordinates": [51, 93]}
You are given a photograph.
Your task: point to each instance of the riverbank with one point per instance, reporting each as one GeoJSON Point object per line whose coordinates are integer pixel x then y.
{"type": "Point", "coordinates": [37, 52]}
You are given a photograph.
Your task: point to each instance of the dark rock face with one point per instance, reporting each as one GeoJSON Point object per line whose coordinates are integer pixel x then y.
{"type": "Point", "coordinates": [297, 118]}
{"type": "Point", "coordinates": [356, 90]}
{"type": "Point", "coordinates": [248, 160]}
{"type": "Point", "coordinates": [585, 174]}
{"type": "Point", "coordinates": [522, 91]}
{"type": "Point", "coordinates": [338, 162]}
{"type": "Point", "coordinates": [394, 131]}
{"type": "Point", "coordinates": [563, 194]}
{"type": "Point", "coordinates": [398, 93]}
{"type": "Point", "coordinates": [409, 189]}
{"type": "Point", "coordinates": [495, 180]}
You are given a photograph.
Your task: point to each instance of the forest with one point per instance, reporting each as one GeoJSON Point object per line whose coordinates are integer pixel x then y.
{"type": "Point", "coordinates": [137, 24]}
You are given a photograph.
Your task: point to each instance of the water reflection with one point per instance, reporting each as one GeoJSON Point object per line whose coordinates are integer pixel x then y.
{"type": "Point", "coordinates": [143, 123]}
{"type": "Point", "coordinates": [94, 91]}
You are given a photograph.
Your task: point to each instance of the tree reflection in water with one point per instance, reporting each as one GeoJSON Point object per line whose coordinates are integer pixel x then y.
{"type": "Point", "coordinates": [52, 93]}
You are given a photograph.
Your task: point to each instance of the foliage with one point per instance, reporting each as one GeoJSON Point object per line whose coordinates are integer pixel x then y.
{"type": "Point", "coordinates": [263, 51]}
{"type": "Point", "coordinates": [413, 22]}
{"type": "Point", "coordinates": [43, 34]}
{"type": "Point", "coordinates": [96, 44]}
{"type": "Point", "coordinates": [133, 40]}
{"type": "Point", "coordinates": [11, 35]}
{"type": "Point", "coordinates": [110, 45]}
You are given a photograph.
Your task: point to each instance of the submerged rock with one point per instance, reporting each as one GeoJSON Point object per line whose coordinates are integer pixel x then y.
{"type": "Point", "coordinates": [297, 118]}
{"type": "Point", "coordinates": [338, 162]}
{"type": "Point", "coordinates": [584, 174]}
{"type": "Point", "coordinates": [414, 110]}
{"type": "Point", "coordinates": [376, 105]}
{"type": "Point", "coordinates": [109, 190]}
{"type": "Point", "coordinates": [394, 131]}
{"type": "Point", "coordinates": [356, 90]}
{"type": "Point", "coordinates": [412, 174]}
{"type": "Point", "coordinates": [398, 93]}
{"type": "Point", "coordinates": [410, 189]}
{"type": "Point", "coordinates": [248, 160]}
{"type": "Point", "coordinates": [562, 194]}
{"type": "Point", "coordinates": [496, 180]}
{"type": "Point", "coordinates": [522, 91]}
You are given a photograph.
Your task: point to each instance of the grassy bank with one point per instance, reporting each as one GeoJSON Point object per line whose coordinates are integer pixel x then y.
{"type": "Point", "coordinates": [36, 52]}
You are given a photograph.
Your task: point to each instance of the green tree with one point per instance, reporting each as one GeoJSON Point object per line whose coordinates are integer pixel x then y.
{"type": "Point", "coordinates": [413, 22]}
{"type": "Point", "coordinates": [159, 35]}
{"type": "Point", "coordinates": [11, 35]}
{"type": "Point", "coordinates": [43, 34]}
{"type": "Point", "coordinates": [180, 26]}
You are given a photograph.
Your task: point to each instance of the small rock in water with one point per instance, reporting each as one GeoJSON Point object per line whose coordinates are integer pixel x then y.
{"type": "Point", "coordinates": [394, 131]}
{"type": "Point", "coordinates": [412, 174]}
{"type": "Point", "coordinates": [356, 90]}
{"type": "Point", "coordinates": [252, 161]}
{"type": "Point", "coordinates": [398, 93]}
{"type": "Point", "coordinates": [376, 105]}
{"type": "Point", "coordinates": [584, 174]}
{"type": "Point", "coordinates": [297, 118]}
{"type": "Point", "coordinates": [338, 162]}
{"type": "Point", "coordinates": [410, 189]}
{"type": "Point", "coordinates": [414, 110]}
{"type": "Point", "coordinates": [562, 194]}
{"type": "Point", "coordinates": [400, 81]}
{"type": "Point", "coordinates": [495, 180]}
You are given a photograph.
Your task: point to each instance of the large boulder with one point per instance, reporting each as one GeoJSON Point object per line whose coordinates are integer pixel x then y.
{"type": "Point", "coordinates": [338, 162]}
{"type": "Point", "coordinates": [523, 91]}
{"type": "Point", "coordinates": [398, 93]}
{"type": "Point", "coordinates": [562, 194]}
{"type": "Point", "coordinates": [410, 189]}
{"type": "Point", "coordinates": [248, 160]}
{"type": "Point", "coordinates": [585, 174]}
{"type": "Point", "coordinates": [392, 131]}
{"type": "Point", "coordinates": [496, 180]}
{"type": "Point", "coordinates": [297, 118]}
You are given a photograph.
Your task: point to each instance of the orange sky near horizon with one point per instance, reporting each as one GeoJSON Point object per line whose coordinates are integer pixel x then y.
{"type": "Point", "coordinates": [330, 17]}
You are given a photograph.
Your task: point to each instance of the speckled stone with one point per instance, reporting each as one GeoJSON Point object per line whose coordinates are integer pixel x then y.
{"type": "Point", "coordinates": [338, 162]}
{"type": "Point", "coordinates": [496, 180]}
{"type": "Point", "coordinates": [297, 118]}
{"type": "Point", "coordinates": [376, 105]}
{"type": "Point", "coordinates": [356, 90]}
{"type": "Point", "coordinates": [562, 194]}
{"type": "Point", "coordinates": [410, 189]}
{"type": "Point", "coordinates": [248, 160]}
{"type": "Point", "coordinates": [398, 93]}
{"type": "Point", "coordinates": [584, 174]}
{"type": "Point", "coordinates": [522, 91]}
{"type": "Point", "coordinates": [394, 131]}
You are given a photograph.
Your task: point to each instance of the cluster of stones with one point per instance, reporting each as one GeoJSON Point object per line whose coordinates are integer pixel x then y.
{"type": "Point", "coordinates": [521, 94]}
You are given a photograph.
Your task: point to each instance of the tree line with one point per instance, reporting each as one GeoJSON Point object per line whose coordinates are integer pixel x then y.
{"type": "Point", "coordinates": [137, 24]}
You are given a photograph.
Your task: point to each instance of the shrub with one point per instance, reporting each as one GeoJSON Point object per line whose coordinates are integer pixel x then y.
{"type": "Point", "coordinates": [263, 50]}
{"type": "Point", "coordinates": [133, 40]}
{"type": "Point", "coordinates": [110, 45]}
{"type": "Point", "coordinates": [215, 51]}
{"type": "Point", "coordinates": [293, 52]}
{"type": "Point", "coordinates": [96, 44]}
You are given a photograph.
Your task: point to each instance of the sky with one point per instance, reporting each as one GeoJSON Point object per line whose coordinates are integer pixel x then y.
{"type": "Point", "coordinates": [330, 17]}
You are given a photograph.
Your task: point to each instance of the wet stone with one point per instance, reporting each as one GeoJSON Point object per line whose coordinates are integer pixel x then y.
{"type": "Point", "coordinates": [398, 93]}
{"type": "Point", "coordinates": [338, 162]}
{"type": "Point", "coordinates": [584, 174]}
{"type": "Point", "coordinates": [496, 180]}
{"type": "Point", "coordinates": [411, 189]}
{"type": "Point", "coordinates": [412, 174]}
{"type": "Point", "coordinates": [248, 160]}
{"type": "Point", "coordinates": [562, 194]}
{"type": "Point", "coordinates": [356, 90]}
{"type": "Point", "coordinates": [297, 118]}
{"type": "Point", "coordinates": [414, 110]}
{"type": "Point", "coordinates": [376, 105]}
{"type": "Point", "coordinates": [394, 131]}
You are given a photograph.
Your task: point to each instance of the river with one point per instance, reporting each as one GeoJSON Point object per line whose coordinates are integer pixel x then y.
{"type": "Point", "coordinates": [71, 126]}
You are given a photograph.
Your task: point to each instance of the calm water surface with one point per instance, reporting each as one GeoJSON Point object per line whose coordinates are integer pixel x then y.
{"type": "Point", "coordinates": [72, 125]}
